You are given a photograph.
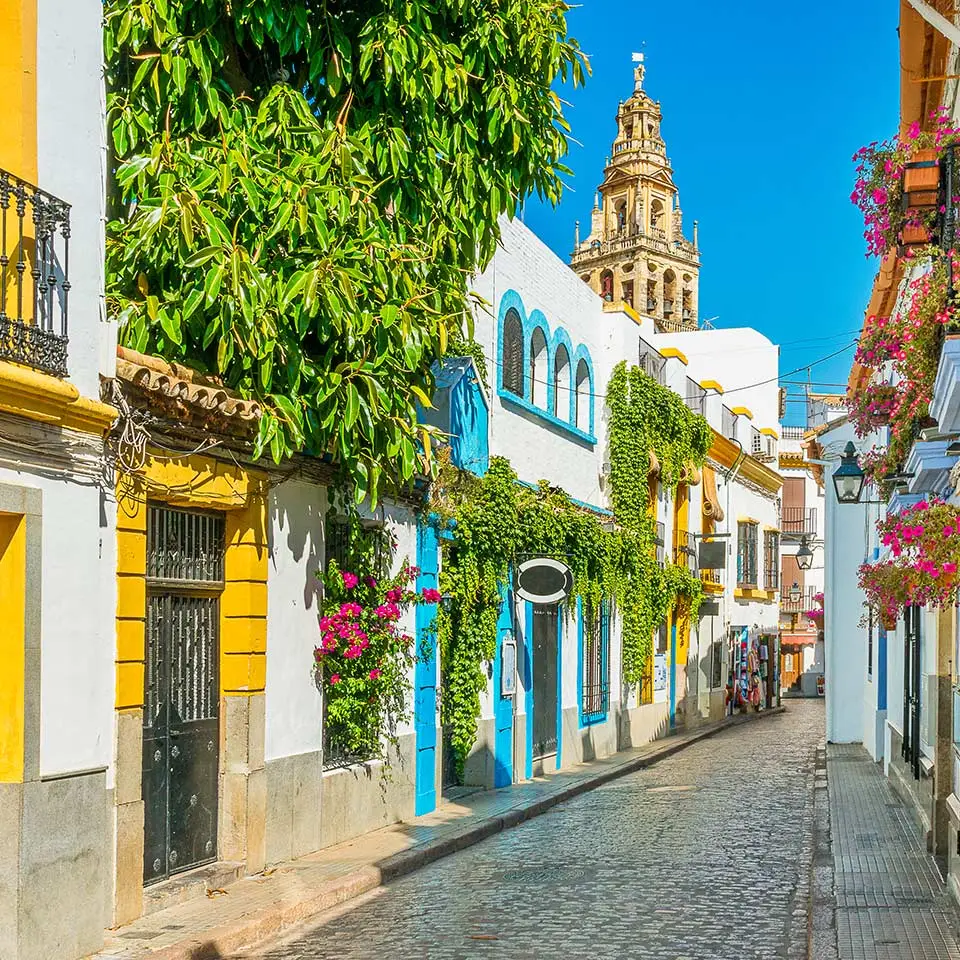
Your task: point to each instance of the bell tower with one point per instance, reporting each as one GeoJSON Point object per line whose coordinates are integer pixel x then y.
{"type": "Point", "coordinates": [636, 252]}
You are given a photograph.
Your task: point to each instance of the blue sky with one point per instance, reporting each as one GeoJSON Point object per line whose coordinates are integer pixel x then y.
{"type": "Point", "coordinates": [763, 109]}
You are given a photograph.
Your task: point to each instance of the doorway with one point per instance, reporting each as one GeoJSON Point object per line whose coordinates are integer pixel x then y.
{"type": "Point", "coordinates": [546, 626]}
{"type": "Point", "coordinates": [181, 722]}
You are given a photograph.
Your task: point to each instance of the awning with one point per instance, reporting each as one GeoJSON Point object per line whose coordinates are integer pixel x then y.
{"type": "Point", "coordinates": [711, 502]}
{"type": "Point", "coordinates": [798, 639]}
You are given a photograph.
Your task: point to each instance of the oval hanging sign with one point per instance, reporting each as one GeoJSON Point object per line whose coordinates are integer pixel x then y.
{"type": "Point", "coordinates": [543, 580]}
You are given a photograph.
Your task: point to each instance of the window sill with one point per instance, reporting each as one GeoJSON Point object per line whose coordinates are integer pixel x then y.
{"type": "Point", "coordinates": [520, 403]}
{"type": "Point", "coordinates": [591, 720]}
{"type": "Point", "coordinates": [755, 593]}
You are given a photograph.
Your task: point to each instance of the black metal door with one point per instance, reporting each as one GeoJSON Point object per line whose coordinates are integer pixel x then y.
{"type": "Point", "coordinates": [181, 696]}
{"type": "Point", "coordinates": [545, 627]}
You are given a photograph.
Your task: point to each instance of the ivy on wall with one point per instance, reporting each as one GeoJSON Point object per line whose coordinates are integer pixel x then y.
{"type": "Point", "coordinates": [645, 418]}
{"type": "Point", "coordinates": [496, 519]}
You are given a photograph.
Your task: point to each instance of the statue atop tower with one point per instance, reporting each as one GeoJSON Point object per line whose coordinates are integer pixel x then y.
{"type": "Point", "coordinates": [636, 252]}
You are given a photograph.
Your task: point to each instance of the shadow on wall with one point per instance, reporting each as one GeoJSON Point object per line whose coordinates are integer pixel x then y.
{"type": "Point", "coordinates": [625, 739]}
{"type": "Point", "coordinates": [304, 538]}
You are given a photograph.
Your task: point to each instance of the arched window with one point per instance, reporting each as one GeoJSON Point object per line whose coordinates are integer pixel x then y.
{"type": "Point", "coordinates": [513, 353]}
{"type": "Point", "coordinates": [622, 216]}
{"type": "Point", "coordinates": [583, 397]}
{"type": "Point", "coordinates": [656, 215]}
{"type": "Point", "coordinates": [669, 293]}
{"type": "Point", "coordinates": [606, 285]}
{"type": "Point", "coordinates": [561, 383]}
{"type": "Point", "coordinates": [538, 369]}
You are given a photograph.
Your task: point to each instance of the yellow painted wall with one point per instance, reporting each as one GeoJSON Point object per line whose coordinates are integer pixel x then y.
{"type": "Point", "coordinates": [18, 81]}
{"type": "Point", "coordinates": [201, 483]}
{"type": "Point", "coordinates": [13, 595]}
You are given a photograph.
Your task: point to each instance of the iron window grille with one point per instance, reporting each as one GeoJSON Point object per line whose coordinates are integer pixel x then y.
{"type": "Point", "coordinates": [595, 693]}
{"type": "Point", "coordinates": [513, 353]}
{"type": "Point", "coordinates": [747, 554]}
{"type": "Point", "coordinates": [34, 276]}
{"type": "Point", "coordinates": [696, 396]}
{"type": "Point", "coordinates": [652, 362]}
{"type": "Point", "coordinates": [659, 539]}
{"type": "Point", "coordinates": [869, 641]}
{"type": "Point", "coordinates": [771, 560]}
{"type": "Point", "coordinates": [729, 423]}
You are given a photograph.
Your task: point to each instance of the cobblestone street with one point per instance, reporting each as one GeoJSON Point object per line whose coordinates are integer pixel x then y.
{"type": "Point", "coordinates": [699, 856]}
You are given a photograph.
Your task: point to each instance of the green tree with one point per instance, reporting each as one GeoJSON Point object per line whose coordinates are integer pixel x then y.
{"type": "Point", "coordinates": [302, 189]}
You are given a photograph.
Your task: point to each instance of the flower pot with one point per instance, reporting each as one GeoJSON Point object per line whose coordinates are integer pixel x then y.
{"type": "Point", "coordinates": [922, 172]}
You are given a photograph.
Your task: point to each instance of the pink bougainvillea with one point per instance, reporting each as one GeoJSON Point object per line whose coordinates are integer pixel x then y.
{"type": "Point", "coordinates": [924, 552]}
{"type": "Point", "coordinates": [363, 660]}
{"type": "Point", "coordinates": [878, 190]}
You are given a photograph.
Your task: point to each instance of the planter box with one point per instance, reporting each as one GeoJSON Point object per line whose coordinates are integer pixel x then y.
{"type": "Point", "coordinates": [922, 172]}
{"type": "Point", "coordinates": [911, 236]}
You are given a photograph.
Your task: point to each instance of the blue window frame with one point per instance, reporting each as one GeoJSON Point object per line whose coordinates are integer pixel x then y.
{"type": "Point", "coordinates": [594, 636]}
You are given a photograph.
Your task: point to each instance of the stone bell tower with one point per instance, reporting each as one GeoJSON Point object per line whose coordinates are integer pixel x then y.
{"type": "Point", "coordinates": [636, 252]}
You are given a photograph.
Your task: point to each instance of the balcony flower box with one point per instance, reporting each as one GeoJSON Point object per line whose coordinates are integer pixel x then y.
{"type": "Point", "coordinates": [914, 235]}
{"type": "Point", "coordinates": [922, 173]}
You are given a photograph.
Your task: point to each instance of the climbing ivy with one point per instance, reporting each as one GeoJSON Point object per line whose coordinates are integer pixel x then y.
{"type": "Point", "coordinates": [645, 418]}
{"type": "Point", "coordinates": [496, 520]}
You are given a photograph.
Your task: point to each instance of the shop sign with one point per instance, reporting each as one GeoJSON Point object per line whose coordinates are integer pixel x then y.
{"type": "Point", "coordinates": [543, 580]}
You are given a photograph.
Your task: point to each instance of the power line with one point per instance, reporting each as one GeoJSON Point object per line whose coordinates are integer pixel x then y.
{"type": "Point", "coordinates": [749, 386]}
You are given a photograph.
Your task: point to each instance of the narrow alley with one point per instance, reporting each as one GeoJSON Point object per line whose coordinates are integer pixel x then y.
{"type": "Point", "coordinates": [704, 855]}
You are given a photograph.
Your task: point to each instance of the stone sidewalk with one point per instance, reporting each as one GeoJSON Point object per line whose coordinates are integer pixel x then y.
{"type": "Point", "coordinates": [889, 900]}
{"type": "Point", "coordinates": [255, 908]}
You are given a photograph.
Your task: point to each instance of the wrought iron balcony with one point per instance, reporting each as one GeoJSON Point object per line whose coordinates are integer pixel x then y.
{"type": "Point", "coordinates": [713, 577]}
{"type": "Point", "coordinates": [803, 603]}
{"type": "Point", "coordinates": [799, 520]}
{"type": "Point", "coordinates": [685, 553]}
{"type": "Point", "coordinates": [34, 277]}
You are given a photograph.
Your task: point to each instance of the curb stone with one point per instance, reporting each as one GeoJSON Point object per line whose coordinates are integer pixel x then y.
{"type": "Point", "coordinates": [304, 904]}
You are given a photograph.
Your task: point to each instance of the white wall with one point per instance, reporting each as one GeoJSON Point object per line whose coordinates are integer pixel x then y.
{"type": "Point", "coordinates": [849, 541]}
{"type": "Point", "coordinates": [294, 708]}
{"type": "Point", "coordinates": [71, 162]}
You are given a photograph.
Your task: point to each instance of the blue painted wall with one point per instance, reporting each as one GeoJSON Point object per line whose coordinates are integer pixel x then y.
{"type": "Point", "coordinates": [425, 675]}
{"type": "Point", "coordinates": [503, 706]}
{"type": "Point", "coordinates": [469, 426]}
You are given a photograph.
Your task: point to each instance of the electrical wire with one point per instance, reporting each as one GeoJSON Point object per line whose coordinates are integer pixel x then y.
{"type": "Point", "coordinates": [749, 386]}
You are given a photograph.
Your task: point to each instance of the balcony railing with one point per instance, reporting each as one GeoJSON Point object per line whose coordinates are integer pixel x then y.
{"type": "Point", "coordinates": [34, 278]}
{"type": "Point", "coordinates": [695, 396]}
{"type": "Point", "coordinates": [792, 433]}
{"type": "Point", "coordinates": [799, 520]}
{"type": "Point", "coordinates": [685, 553]}
{"type": "Point", "coordinates": [801, 605]}
{"type": "Point", "coordinates": [652, 362]}
{"type": "Point", "coordinates": [713, 577]}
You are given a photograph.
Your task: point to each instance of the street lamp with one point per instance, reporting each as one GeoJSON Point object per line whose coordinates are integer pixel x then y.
{"type": "Point", "coordinates": [795, 592]}
{"type": "Point", "coordinates": [848, 479]}
{"type": "Point", "coordinates": [805, 554]}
